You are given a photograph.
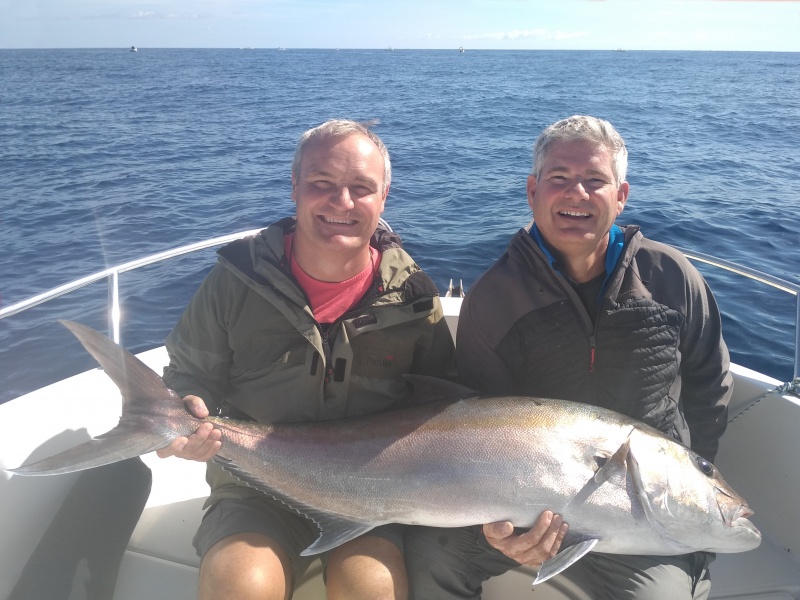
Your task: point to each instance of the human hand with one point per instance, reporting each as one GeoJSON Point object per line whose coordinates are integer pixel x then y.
{"type": "Point", "coordinates": [533, 547]}
{"type": "Point", "coordinates": [202, 444]}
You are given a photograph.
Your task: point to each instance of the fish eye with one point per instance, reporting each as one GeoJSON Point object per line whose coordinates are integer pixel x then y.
{"type": "Point", "coordinates": [706, 467]}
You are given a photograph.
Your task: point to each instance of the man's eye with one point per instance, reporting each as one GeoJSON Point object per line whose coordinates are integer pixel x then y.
{"type": "Point", "coordinates": [362, 190]}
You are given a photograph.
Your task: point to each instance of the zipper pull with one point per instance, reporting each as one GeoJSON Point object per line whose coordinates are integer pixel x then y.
{"type": "Point", "coordinates": [592, 350]}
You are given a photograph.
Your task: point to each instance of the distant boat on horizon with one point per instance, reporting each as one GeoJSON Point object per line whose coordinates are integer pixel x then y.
{"type": "Point", "coordinates": [134, 49]}
{"type": "Point", "coordinates": [461, 48]}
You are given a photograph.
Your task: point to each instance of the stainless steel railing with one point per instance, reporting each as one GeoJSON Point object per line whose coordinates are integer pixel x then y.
{"type": "Point", "coordinates": [770, 280]}
{"type": "Point", "coordinates": [112, 275]}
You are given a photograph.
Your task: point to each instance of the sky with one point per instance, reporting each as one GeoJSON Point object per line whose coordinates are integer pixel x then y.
{"type": "Point", "coordinates": [760, 25]}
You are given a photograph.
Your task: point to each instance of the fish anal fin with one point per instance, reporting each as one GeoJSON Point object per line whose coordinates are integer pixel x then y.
{"type": "Point", "coordinates": [565, 558]}
{"type": "Point", "coordinates": [334, 531]}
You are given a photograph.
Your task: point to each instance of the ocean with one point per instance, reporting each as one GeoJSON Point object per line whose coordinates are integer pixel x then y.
{"type": "Point", "coordinates": [108, 155]}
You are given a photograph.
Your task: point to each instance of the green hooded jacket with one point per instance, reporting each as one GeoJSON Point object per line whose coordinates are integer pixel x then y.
{"type": "Point", "coordinates": [249, 346]}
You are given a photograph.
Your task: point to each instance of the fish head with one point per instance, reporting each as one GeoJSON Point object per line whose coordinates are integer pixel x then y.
{"type": "Point", "coordinates": [687, 500]}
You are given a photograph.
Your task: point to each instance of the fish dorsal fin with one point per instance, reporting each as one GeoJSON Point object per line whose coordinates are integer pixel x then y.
{"type": "Point", "coordinates": [565, 558]}
{"type": "Point", "coordinates": [334, 529]}
{"type": "Point", "coordinates": [425, 389]}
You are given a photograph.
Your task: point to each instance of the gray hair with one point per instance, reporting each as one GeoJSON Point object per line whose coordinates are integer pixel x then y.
{"type": "Point", "coordinates": [342, 128]}
{"type": "Point", "coordinates": [583, 128]}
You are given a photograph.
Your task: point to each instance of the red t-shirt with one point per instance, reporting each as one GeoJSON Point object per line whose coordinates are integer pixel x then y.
{"type": "Point", "coordinates": [330, 300]}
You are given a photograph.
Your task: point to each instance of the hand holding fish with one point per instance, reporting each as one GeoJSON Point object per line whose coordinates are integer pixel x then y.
{"type": "Point", "coordinates": [540, 543]}
{"type": "Point", "coordinates": [203, 444]}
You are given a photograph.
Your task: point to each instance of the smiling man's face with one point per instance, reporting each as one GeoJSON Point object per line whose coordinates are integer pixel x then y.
{"type": "Point", "coordinates": [576, 199]}
{"type": "Point", "coordinates": [340, 195]}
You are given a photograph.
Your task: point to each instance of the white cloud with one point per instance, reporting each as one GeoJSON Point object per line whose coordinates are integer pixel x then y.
{"type": "Point", "coordinates": [142, 14]}
{"type": "Point", "coordinates": [537, 34]}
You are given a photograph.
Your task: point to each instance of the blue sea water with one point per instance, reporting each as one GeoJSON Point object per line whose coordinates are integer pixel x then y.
{"type": "Point", "coordinates": [107, 156]}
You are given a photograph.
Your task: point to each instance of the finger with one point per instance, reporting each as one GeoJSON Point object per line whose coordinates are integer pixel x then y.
{"type": "Point", "coordinates": [544, 531]}
{"type": "Point", "coordinates": [174, 449]}
{"type": "Point", "coordinates": [517, 546]}
{"type": "Point", "coordinates": [196, 406]}
{"type": "Point", "coordinates": [202, 443]}
{"type": "Point", "coordinates": [201, 446]}
{"type": "Point", "coordinates": [498, 530]}
{"type": "Point", "coordinates": [540, 527]}
{"type": "Point", "coordinates": [547, 546]}
{"type": "Point", "coordinates": [209, 448]}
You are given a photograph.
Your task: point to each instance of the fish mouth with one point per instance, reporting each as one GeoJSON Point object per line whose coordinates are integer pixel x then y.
{"type": "Point", "coordinates": [743, 512]}
{"type": "Point", "coordinates": [743, 535]}
{"type": "Point", "coordinates": [740, 518]}
{"type": "Point", "coordinates": [739, 521]}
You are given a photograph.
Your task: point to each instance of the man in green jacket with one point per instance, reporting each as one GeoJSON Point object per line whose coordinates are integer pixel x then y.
{"type": "Point", "coordinates": [315, 318]}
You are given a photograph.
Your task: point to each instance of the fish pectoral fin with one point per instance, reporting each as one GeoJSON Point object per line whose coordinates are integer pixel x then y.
{"type": "Point", "coordinates": [656, 521]}
{"type": "Point", "coordinates": [334, 531]}
{"type": "Point", "coordinates": [565, 558]}
{"type": "Point", "coordinates": [616, 466]}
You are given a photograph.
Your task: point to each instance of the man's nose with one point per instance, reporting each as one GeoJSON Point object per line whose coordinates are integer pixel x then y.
{"type": "Point", "coordinates": [578, 190]}
{"type": "Point", "coordinates": [342, 198]}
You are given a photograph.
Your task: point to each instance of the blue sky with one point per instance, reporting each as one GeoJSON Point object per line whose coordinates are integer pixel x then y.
{"type": "Point", "coordinates": [767, 25]}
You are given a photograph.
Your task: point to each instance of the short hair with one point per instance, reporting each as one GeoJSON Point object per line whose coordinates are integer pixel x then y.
{"type": "Point", "coordinates": [342, 128]}
{"type": "Point", "coordinates": [583, 128]}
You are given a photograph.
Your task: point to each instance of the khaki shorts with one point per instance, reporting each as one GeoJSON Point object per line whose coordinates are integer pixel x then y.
{"type": "Point", "coordinates": [271, 518]}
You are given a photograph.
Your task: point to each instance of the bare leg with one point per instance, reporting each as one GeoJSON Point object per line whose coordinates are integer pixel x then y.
{"type": "Point", "coordinates": [367, 568]}
{"type": "Point", "coordinates": [246, 566]}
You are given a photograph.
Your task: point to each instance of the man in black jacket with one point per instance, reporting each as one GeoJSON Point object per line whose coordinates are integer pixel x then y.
{"type": "Point", "coordinates": [581, 309]}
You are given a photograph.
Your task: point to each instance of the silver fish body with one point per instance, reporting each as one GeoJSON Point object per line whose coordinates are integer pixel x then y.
{"type": "Point", "coordinates": [622, 486]}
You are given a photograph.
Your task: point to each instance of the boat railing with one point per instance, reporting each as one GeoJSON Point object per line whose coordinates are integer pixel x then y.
{"type": "Point", "coordinates": [770, 280]}
{"type": "Point", "coordinates": [112, 274]}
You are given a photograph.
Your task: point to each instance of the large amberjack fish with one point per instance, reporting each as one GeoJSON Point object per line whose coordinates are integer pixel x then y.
{"type": "Point", "coordinates": [622, 486]}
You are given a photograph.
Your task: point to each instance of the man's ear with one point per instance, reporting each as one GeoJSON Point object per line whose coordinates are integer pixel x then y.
{"type": "Point", "coordinates": [622, 196]}
{"type": "Point", "coordinates": [385, 195]}
{"type": "Point", "coordinates": [531, 189]}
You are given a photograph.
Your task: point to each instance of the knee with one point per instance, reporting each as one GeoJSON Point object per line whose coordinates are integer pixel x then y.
{"type": "Point", "coordinates": [245, 566]}
{"type": "Point", "coordinates": [369, 567]}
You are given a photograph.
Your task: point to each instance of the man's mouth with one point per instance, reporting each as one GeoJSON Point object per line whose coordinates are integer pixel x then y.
{"type": "Point", "coordinates": [337, 220]}
{"type": "Point", "coordinates": [575, 214]}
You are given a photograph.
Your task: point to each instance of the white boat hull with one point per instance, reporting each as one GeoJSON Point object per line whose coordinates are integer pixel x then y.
{"type": "Point", "coordinates": [758, 456]}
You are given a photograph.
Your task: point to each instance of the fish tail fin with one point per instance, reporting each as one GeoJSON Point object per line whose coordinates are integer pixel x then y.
{"type": "Point", "coordinates": [152, 414]}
